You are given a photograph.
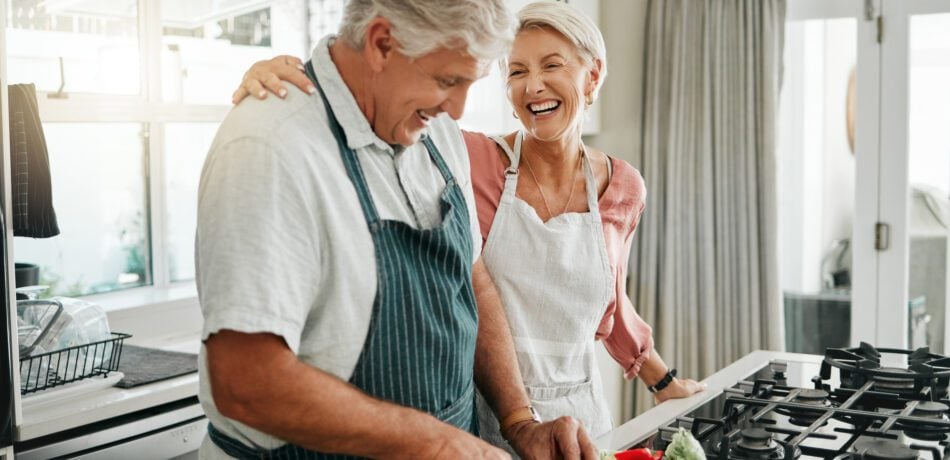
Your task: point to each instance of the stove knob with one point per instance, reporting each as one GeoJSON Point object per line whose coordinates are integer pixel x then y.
{"type": "Point", "coordinates": [778, 367]}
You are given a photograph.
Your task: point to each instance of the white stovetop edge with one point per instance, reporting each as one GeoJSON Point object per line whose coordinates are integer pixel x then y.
{"type": "Point", "coordinates": [640, 428]}
{"type": "Point", "coordinates": [42, 418]}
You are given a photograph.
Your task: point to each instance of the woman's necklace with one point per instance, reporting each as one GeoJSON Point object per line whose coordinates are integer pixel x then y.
{"type": "Point", "coordinates": [537, 183]}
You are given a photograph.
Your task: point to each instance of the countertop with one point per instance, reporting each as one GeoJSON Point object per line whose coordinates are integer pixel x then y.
{"type": "Point", "coordinates": [646, 424]}
{"type": "Point", "coordinates": [47, 415]}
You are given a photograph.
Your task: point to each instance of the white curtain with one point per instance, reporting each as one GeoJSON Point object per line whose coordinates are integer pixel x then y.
{"type": "Point", "coordinates": [704, 268]}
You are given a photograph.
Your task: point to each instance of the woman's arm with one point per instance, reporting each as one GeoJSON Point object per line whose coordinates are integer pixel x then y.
{"type": "Point", "coordinates": [627, 337]}
{"type": "Point", "coordinates": [268, 75]}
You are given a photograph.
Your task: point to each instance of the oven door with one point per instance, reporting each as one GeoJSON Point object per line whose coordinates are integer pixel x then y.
{"type": "Point", "coordinates": [173, 431]}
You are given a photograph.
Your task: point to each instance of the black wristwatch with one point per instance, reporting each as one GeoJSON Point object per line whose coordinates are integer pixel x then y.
{"type": "Point", "coordinates": [664, 382]}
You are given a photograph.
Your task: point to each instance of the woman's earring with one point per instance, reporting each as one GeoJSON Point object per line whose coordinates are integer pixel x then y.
{"type": "Point", "coordinates": [589, 99]}
{"type": "Point", "coordinates": [514, 114]}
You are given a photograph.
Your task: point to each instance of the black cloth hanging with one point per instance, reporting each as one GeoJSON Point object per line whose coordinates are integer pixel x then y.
{"type": "Point", "coordinates": [31, 187]}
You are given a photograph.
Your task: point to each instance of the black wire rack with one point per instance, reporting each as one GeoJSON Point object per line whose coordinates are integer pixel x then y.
{"type": "Point", "coordinates": [55, 368]}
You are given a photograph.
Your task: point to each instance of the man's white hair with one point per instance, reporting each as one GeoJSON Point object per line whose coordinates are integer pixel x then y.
{"type": "Point", "coordinates": [484, 29]}
{"type": "Point", "coordinates": [579, 29]}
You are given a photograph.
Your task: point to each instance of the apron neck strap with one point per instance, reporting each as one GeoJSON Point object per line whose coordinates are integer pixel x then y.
{"type": "Point", "coordinates": [352, 164]}
{"type": "Point", "coordinates": [591, 184]}
{"type": "Point", "coordinates": [511, 174]}
{"type": "Point", "coordinates": [514, 155]}
{"type": "Point", "coordinates": [439, 161]}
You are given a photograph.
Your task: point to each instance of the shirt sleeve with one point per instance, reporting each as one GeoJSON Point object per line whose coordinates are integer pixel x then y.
{"type": "Point", "coordinates": [627, 337]}
{"type": "Point", "coordinates": [256, 251]}
{"type": "Point", "coordinates": [465, 182]}
{"type": "Point", "coordinates": [488, 178]}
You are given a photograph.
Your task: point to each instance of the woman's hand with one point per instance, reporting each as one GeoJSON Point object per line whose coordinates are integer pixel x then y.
{"type": "Point", "coordinates": [679, 388]}
{"type": "Point", "coordinates": [268, 75]}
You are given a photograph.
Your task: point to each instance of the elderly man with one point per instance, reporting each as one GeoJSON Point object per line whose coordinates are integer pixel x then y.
{"type": "Point", "coordinates": [337, 255]}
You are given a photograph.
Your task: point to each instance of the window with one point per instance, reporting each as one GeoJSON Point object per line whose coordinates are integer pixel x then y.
{"type": "Point", "coordinates": [128, 121]}
{"type": "Point", "coordinates": [100, 199]}
{"type": "Point", "coordinates": [91, 45]}
{"type": "Point", "coordinates": [185, 145]}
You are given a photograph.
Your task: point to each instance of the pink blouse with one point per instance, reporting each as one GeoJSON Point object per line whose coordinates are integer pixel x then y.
{"type": "Point", "coordinates": [628, 339]}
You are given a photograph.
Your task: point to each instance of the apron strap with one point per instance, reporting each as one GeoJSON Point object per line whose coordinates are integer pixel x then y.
{"type": "Point", "coordinates": [353, 168]}
{"type": "Point", "coordinates": [232, 447]}
{"type": "Point", "coordinates": [511, 174]}
{"type": "Point", "coordinates": [439, 161]}
{"type": "Point", "coordinates": [591, 183]}
{"type": "Point", "coordinates": [514, 156]}
{"type": "Point", "coordinates": [352, 164]}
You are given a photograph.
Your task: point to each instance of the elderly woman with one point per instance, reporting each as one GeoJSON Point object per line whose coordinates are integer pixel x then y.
{"type": "Point", "coordinates": [557, 218]}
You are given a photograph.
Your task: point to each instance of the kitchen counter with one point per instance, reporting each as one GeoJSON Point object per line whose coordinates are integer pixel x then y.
{"type": "Point", "coordinates": [47, 414]}
{"type": "Point", "coordinates": [646, 424]}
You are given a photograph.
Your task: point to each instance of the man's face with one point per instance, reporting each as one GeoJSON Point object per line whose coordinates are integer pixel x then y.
{"type": "Point", "coordinates": [409, 93]}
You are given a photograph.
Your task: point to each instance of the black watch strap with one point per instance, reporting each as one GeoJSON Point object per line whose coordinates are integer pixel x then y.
{"type": "Point", "coordinates": [666, 380]}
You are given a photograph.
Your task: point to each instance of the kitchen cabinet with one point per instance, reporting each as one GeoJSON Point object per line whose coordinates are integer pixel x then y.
{"type": "Point", "coordinates": [487, 108]}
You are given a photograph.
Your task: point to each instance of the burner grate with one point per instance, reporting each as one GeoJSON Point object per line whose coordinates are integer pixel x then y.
{"type": "Point", "coordinates": [877, 411]}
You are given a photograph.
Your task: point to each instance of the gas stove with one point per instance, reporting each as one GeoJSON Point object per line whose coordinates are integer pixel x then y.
{"type": "Point", "coordinates": [854, 403]}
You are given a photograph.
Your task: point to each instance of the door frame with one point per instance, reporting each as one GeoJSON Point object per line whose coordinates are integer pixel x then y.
{"type": "Point", "coordinates": [893, 263]}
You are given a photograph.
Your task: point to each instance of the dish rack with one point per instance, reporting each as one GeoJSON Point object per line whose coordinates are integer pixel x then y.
{"type": "Point", "coordinates": [55, 368]}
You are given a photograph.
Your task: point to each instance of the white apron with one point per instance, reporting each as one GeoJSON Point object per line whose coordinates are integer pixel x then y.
{"type": "Point", "coordinates": [555, 281]}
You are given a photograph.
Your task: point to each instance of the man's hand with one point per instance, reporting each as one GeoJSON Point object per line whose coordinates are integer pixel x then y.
{"type": "Point", "coordinates": [679, 388]}
{"type": "Point", "coordinates": [563, 438]}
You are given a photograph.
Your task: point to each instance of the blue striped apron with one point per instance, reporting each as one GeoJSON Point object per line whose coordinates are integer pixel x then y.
{"type": "Point", "coordinates": [420, 348]}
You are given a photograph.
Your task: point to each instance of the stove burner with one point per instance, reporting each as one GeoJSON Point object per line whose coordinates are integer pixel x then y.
{"type": "Point", "coordinates": [756, 444]}
{"type": "Point", "coordinates": [924, 431]}
{"type": "Point", "coordinates": [809, 396]}
{"type": "Point", "coordinates": [884, 449]}
{"type": "Point", "coordinates": [930, 409]}
{"type": "Point", "coordinates": [894, 384]}
{"type": "Point", "coordinates": [805, 417]}
{"type": "Point", "coordinates": [859, 365]}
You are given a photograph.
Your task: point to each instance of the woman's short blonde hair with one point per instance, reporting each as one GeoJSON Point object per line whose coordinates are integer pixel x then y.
{"type": "Point", "coordinates": [485, 29]}
{"type": "Point", "coordinates": [579, 29]}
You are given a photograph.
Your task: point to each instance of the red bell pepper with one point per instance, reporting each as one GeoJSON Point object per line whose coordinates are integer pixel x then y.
{"type": "Point", "coordinates": [639, 454]}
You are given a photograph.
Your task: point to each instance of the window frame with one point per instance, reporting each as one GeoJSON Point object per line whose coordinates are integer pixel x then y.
{"type": "Point", "coordinates": [148, 109]}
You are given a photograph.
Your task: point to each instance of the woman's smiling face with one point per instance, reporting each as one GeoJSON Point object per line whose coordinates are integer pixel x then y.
{"type": "Point", "coordinates": [548, 83]}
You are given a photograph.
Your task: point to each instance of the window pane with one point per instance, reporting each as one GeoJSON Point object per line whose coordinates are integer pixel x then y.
{"type": "Point", "coordinates": [186, 145]}
{"type": "Point", "coordinates": [207, 46]}
{"type": "Point", "coordinates": [97, 41]}
{"type": "Point", "coordinates": [816, 185]}
{"type": "Point", "coordinates": [325, 17]}
{"type": "Point", "coordinates": [99, 193]}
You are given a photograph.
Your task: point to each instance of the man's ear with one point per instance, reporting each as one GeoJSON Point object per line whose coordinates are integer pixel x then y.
{"type": "Point", "coordinates": [379, 45]}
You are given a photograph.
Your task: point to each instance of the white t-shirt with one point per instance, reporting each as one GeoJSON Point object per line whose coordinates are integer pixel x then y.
{"type": "Point", "coordinates": [282, 245]}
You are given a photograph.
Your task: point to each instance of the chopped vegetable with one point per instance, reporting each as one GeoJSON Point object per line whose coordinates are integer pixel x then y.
{"type": "Point", "coordinates": [684, 447]}
{"type": "Point", "coordinates": [635, 454]}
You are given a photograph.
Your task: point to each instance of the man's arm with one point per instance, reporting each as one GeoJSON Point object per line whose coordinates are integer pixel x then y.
{"type": "Point", "coordinates": [257, 380]}
{"type": "Point", "coordinates": [499, 381]}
